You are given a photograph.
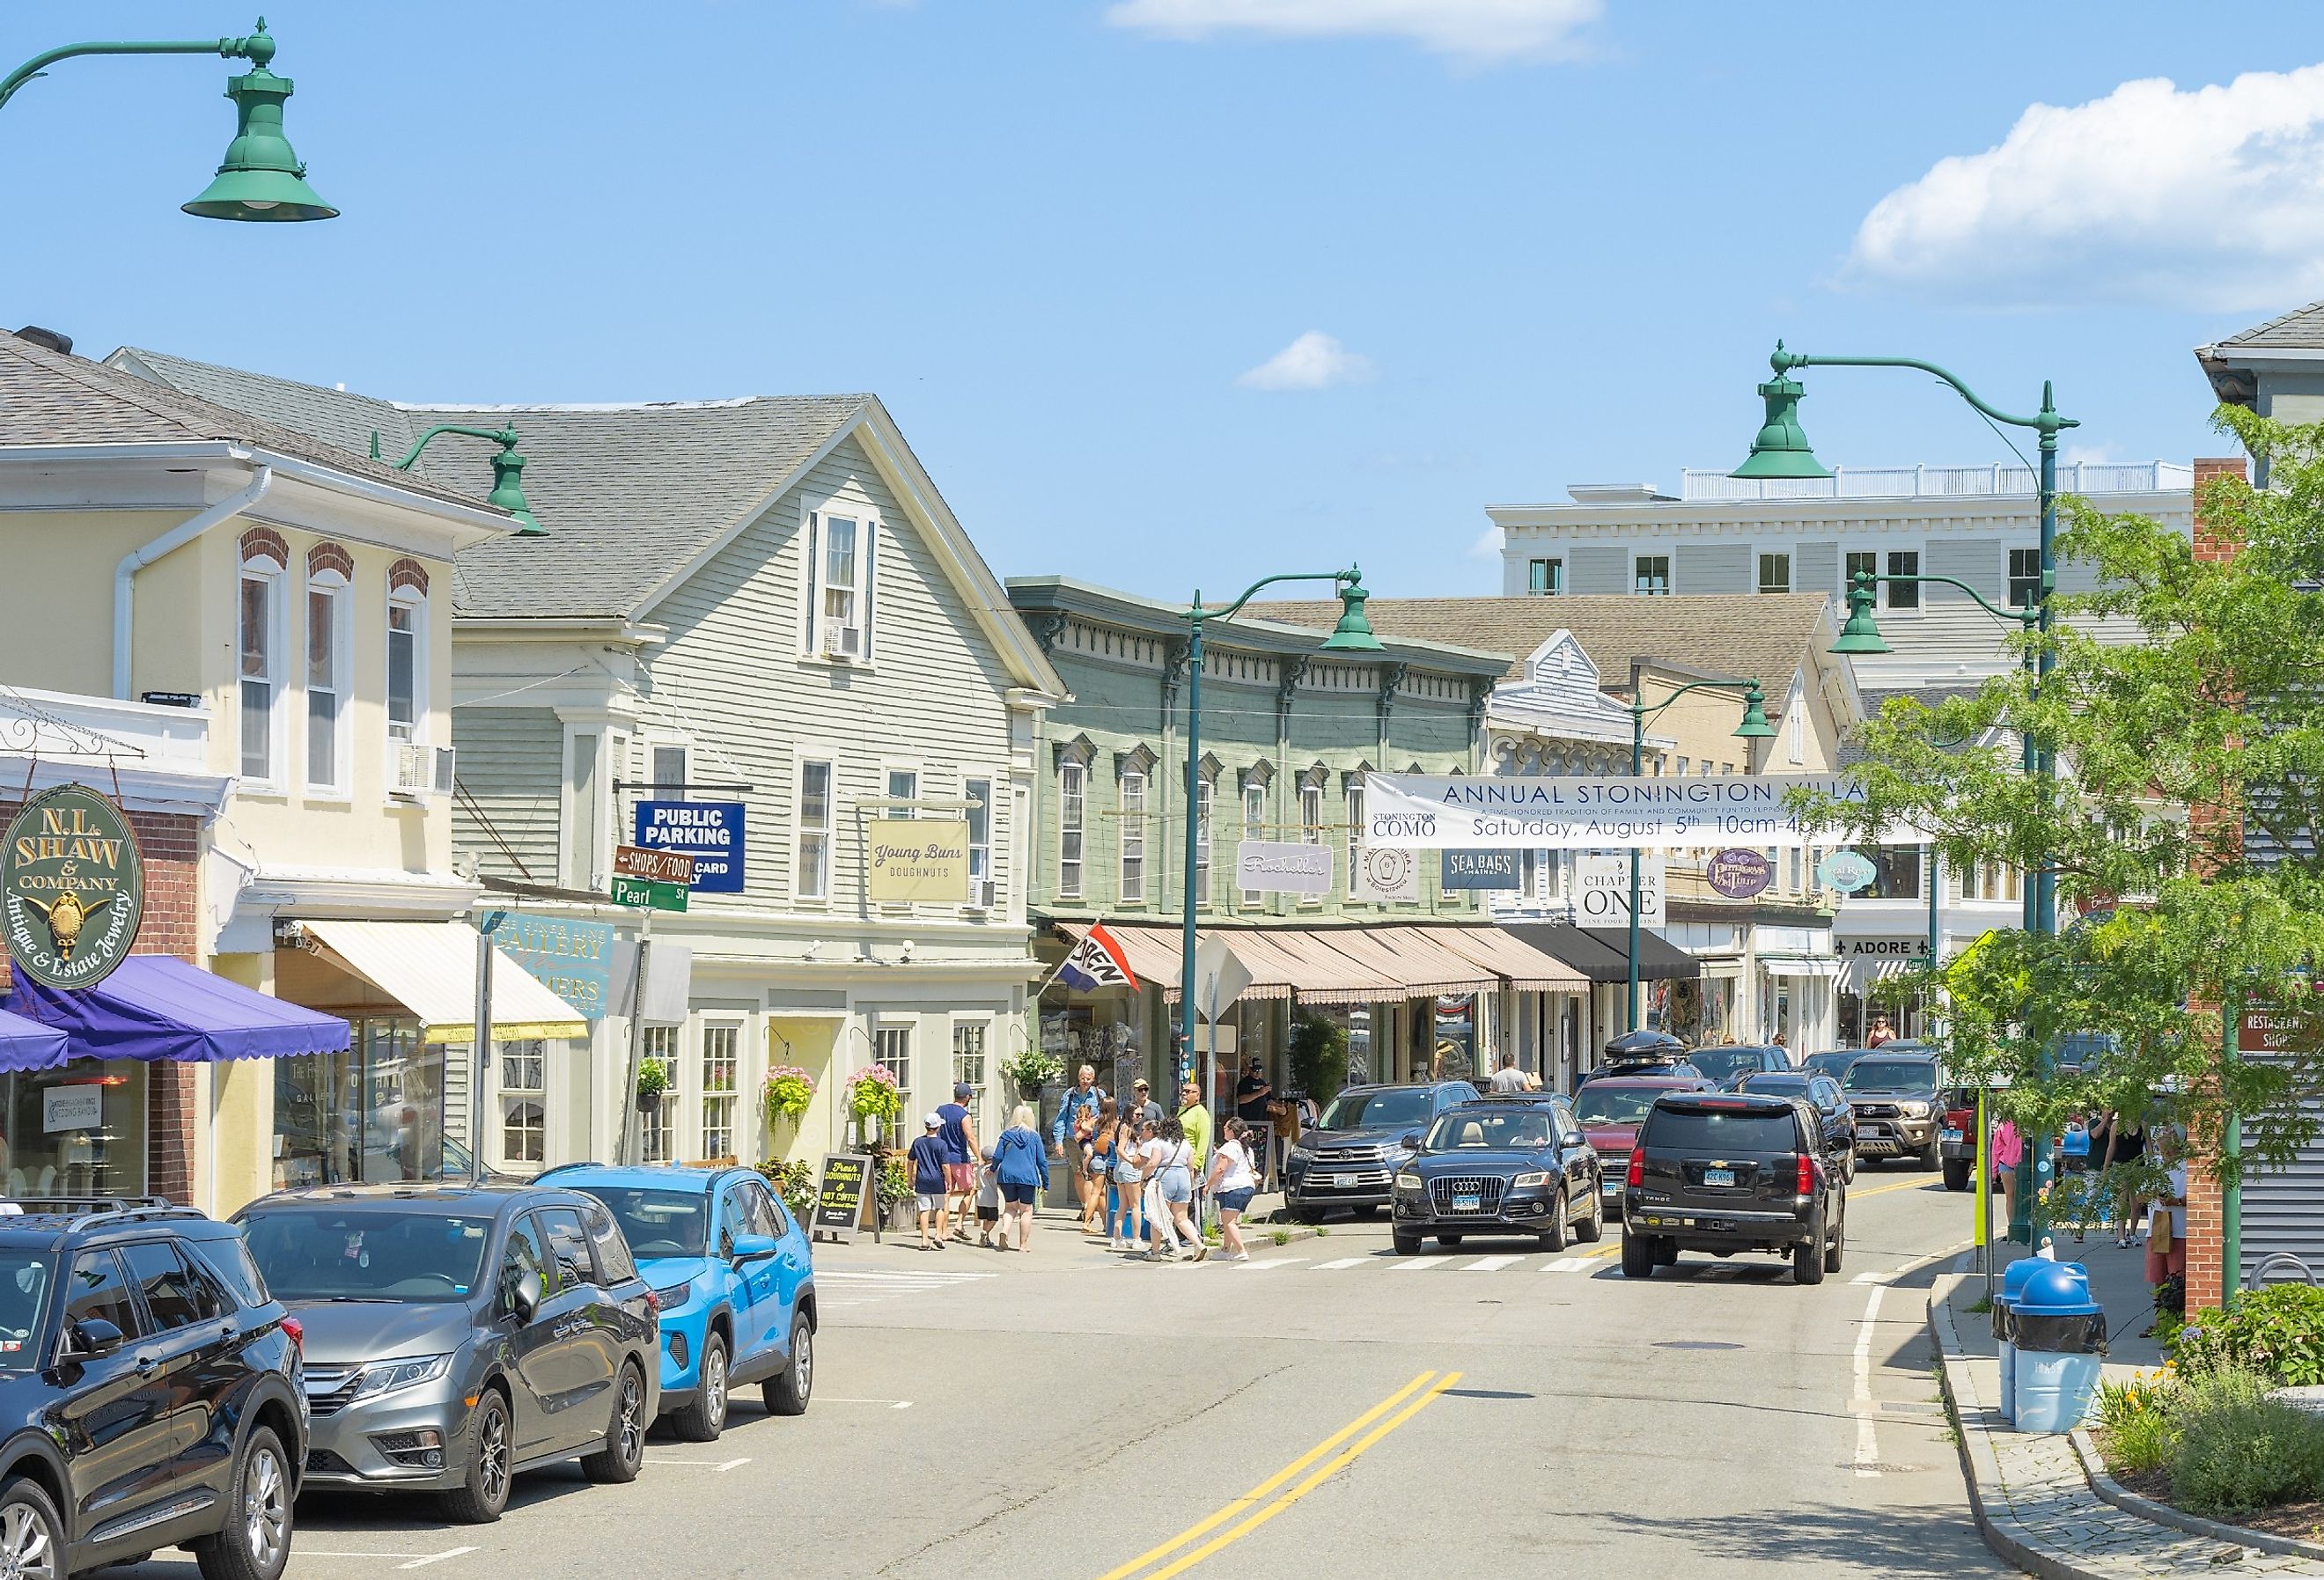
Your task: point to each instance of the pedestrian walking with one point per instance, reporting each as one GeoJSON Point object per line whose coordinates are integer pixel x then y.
{"type": "Point", "coordinates": [1508, 1078]}
{"type": "Point", "coordinates": [928, 1159]}
{"type": "Point", "coordinates": [1232, 1184]}
{"type": "Point", "coordinates": [1097, 1164]}
{"type": "Point", "coordinates": [1076, 1120]}
{"type": "Point", "coordinates": [2008, 1151]}
{"type": "Point", "coordinates": [2166, 1224]}
{"type": "Point", "coordinates": [1143, 1109]}
{"type": "Point", "coordinates": [1125, 1221]}
{"type": "Point", "coordinates": [987, 1205]}
{"type": "Point", "coordinates": [960, 1153]}
{"type": "Point", "coordinates": [2126, 1146]}
{"type": "Point", "coordinates": [1195, 1121]}
{"type": "Point", "coordinates": [1153, 1153]}
{"type": "Point", "coordinates": [1173, 1183]}
{"type": "Point", "coordinates": [1023, 1172]}
{"type": "Point", "coordinates": [1882, 1031]}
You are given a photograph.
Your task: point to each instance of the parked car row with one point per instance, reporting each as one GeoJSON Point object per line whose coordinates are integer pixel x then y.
{"type": "Point", "coordinates": [167, 1379]}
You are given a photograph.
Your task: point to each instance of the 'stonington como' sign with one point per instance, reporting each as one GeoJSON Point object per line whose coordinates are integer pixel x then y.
{"type": "Point", "coordinates": [73, 885]}
{"type": "Point", "coordinates": [1491, 812]}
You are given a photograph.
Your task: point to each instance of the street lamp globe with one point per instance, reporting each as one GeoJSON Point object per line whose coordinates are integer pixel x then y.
{"type": "Point", "coordinates": [1754, 726]}
{"type": "Point", "coordinates": [260, 180]}
{"type": "Point", "coordinates": [1353, 634]}
{"type": "Point", "coordinates": [1781, 449]}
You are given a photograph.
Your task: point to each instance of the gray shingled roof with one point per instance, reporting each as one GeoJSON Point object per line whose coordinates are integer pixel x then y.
{"type": "Point", "coordinates": [1761, 636]}
{"type": "Point", "coordinates": [629, 494]}
{"type": "Point", "coordinates": [2300, 330]}
{"type": "Point", "coordinates": [53, 398]}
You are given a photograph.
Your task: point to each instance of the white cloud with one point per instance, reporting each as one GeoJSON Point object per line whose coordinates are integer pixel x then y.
{"type": "Point", "coordinates": [1487, 546]}
{"type": "Point", "coordinates": [1478, 30]}
{"type": "Point", "coordinates": [2208, 199]}
{"type": "Point", "coordinates": [1314, 361]}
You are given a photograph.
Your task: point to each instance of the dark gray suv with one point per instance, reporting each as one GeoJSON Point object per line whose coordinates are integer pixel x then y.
{"type": "Point", "coordinates": [1351, 1158]}
{"type": "Point", "coordinates": [456, 1336]}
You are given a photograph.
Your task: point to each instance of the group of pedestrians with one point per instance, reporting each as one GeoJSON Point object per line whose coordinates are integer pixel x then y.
{"type": "Point", "coordinates": [1142, 1174]}
{"type": "Point", "coordinates": [949, 1170]}
{"type": "Point", "coordinates": [2108, 1167]}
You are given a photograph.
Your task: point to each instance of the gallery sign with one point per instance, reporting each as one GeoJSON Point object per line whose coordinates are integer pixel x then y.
{"type": "Point", "coordinates": [1270, 866]}
{"type": "Point", "coordinates": [1492, 812]}
{"type": "Point", "coordinates": [573, 959]}
{"type": "Point", "coordinates": [917, 860]}
{"type": "Point", "coordinates": [73, 886]}
{"type": "Point", "coordinates": [711, 832]}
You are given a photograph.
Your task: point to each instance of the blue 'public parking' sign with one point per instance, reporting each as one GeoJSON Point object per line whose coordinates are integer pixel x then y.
{"type": "Point", "coordinates": [711, 832]}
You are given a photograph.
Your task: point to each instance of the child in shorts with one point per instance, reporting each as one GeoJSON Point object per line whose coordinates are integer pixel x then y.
{"type": "Point", "coordinates": [987, 1205]}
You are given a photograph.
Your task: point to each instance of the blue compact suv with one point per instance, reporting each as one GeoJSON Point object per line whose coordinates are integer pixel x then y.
{"type": "Point", "coordinates": [736, 1278]}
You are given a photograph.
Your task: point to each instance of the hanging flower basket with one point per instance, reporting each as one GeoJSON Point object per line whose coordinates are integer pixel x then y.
{"type": "Point", "coordinates": [785, 1097]}
{"type": "Point", "coordinates": [653, 1080]}
{"type": "Point", "coordinates": [872, 1098]}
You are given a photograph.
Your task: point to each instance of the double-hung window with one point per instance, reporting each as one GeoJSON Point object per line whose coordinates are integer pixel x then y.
{"type": "Point", "coordinates": [1904, 594]}
{"type": "Point", "coordinates": [659, 1046]}
{"type": "Point", "coordinates": [326, 681]}
{"type": "Point", "coordinates": [524, 1102]}
{"type": "Point", "coordinates": [903, 785]}
{"type": "Point", "coordinates": [670, 770]}
{"type": "Point", "coordinates": [969, 1040]}
{"type": "Point", "coordinates": [1203, 790]}
{"type": "Point", "coordinates": [840, 572]}
{"type": "Point", "coordinates": [1311, 826]}
{"type": "Point", "coordinates": [2025, 577]}
{"type": "Point", "coordinates": [891, 1047]}
{"type": "Point", "coordinates": [1545, 578]}
{"type": "Point", "coordinates": [815, 820]}
{"type": "Point", "coordinates": [407, 665]}
{"type": "Point", "coordinates": [1653, 576]}
{"type": "Point", "coordinates": [980, 842]}
{"type": "Point", "coordinates": [1133, 838]}
{"type": "Point", "coordinates": [1072, 782]}
{"type": "Point", "coordinates": [1860, 565]}
{"type": "Point", "coordinates": [1254, 826]}
{"type": "Point", "coordinates": [1775, 573]}
{"type": "Point", "coordinates": [260, 648]}
{"type": "Point", "coordinates": [720, 1098]}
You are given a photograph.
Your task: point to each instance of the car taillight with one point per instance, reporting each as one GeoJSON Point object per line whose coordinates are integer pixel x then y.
{"type": "Point", "coordinates": [653, 1301]}
{"type": "Point", "coordinates": [1806, 1175]}
{"type": "Point", "coordinates": [298, 1331]}
{"type": "Point", "coordinates": [1636, 1175]}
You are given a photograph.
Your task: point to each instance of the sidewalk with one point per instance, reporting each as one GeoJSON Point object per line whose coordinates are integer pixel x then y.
{"type": "Point", "coordinates": [2033, 1501]}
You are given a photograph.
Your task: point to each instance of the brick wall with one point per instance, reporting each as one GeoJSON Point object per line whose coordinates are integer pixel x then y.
{"type": "Point", "coordinates": [170, 845]}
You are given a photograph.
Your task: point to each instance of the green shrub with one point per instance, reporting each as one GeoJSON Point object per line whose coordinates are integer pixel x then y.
{"type": "Point", "coordinates": [2239, 1450]}
{"type": "Point", "coordinates": [2144, 1442]}
{"type": "Point", "coordinates": [1319, 1057]}
{"type": "Point", "coordinates": [2276, 1334]}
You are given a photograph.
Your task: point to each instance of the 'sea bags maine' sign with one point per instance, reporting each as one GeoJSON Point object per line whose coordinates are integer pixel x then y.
{"type": "Point", "coordinates": [73, 887]}
{"type": "Point", "coordinates": [1490, 812]}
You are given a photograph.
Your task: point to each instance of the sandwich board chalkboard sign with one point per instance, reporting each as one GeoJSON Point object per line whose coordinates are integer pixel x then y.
{"type": "Point", "coordinates": [844, 1195]}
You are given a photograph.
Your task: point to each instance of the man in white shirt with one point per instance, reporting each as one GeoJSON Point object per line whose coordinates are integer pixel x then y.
{"type": "Point", "coordinates": [1508, 1078]}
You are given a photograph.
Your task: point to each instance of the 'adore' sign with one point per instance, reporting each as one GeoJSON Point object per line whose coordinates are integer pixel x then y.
{"type": "Point", "coordinates": [73, 887]}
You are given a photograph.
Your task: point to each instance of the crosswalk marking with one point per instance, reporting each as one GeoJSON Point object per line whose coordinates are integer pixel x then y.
{"type": "Point", "coordinates": [1567, 1264]}
{"type": "Point", "coordinates": [1490, 1264]}
{"type": "Point", "coordinates": [1325, 1267]}
{"type": "Point", "coordinates": [1419, 1264]}
{"type": "Point", "coordinates": [1252, 1267]}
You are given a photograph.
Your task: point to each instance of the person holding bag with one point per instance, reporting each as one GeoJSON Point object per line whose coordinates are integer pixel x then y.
{"type": "Point", "coordinates": [1125, 1221]}
{"type": "Point", "coordinates": [1023, 1168]}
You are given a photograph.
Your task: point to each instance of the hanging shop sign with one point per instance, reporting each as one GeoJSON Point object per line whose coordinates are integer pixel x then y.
{"type": "Point", "coordinates": [1601, 890]}
{"type": "Point", "coordinates": [1846, 871]}
{"type": "Point", "coordinates": [1739, 875]}
{"type": "Point", "coordinates": [573, 959]}
{"type": "Point", "coordinates": [1385, 876]}
{"type": "Point", "coordinates": [73, 885]}
{"type": "Point", "coordinates": [917, 861]}
{"type": "Point", "coordinates": [1491, 812]}
{"type": "Point", "coordinates": [711, 832]}
{"type": "Point", "coordinates": [1270, 866]}
{"type": "Point", "coordinates": [1479, 869]}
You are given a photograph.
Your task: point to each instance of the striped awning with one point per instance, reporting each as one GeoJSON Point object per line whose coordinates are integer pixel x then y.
{"type": "Point", "coordinates": [1516, 962]}
{"type": "Point", "coordinates": [1350, 965]}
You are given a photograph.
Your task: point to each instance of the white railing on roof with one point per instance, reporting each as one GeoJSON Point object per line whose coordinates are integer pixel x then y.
{"type": "Point", "coordinates": [1701, 483]}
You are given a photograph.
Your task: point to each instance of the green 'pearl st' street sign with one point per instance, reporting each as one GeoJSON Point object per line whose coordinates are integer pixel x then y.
{"type": "Point", "coordinates": [648, 895]}
{"type": "Point", "coordinates": [72, 885]}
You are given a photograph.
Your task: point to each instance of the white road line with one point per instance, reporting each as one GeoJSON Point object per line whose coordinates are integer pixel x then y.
{"type": "Point", "coordinates": [1567, 1264]}
{"type": "Point", "coordinates": [1867, 1441]}
{"type": "Point", "coordinates": [1325, 1267]}
{"type": "Point", "coordinates": [435, 1557]}
{"type": "Point", "coordinates": [894, 1404]}
{"type": "Point", "coordinates": [1252, 1267]}
{"type": "Point", "coordinates": [1490, 1264]}
{"type": "Point", "coordinates": [1419, 1264]}
{"type": "Point", "coordinates": [721, 1466]}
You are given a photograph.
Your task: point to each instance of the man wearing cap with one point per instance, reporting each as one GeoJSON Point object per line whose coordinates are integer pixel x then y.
{"type": "Point", "coordinates": [1254, 1094]}
{"type": "Point", "coordinates": [929, 1168]}
{"type": "Point", "coordinates": [1143, 1109]}
{"type": "Point", "coordinates": [958, 1134]}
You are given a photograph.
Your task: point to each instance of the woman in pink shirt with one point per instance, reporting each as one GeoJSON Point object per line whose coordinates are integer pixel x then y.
{"type": "Point", "coordinates": [2008, 1151]}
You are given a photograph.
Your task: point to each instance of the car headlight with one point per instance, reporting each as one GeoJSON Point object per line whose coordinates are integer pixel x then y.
{"type": "Point", "coordinates": [387, 1376]}
{"type": "Point", "coordinates": [1299, 1155]}
{"type": "Point", "coordinates": [669, 1297]}
{"type": "Point", "coordinates": [1407, 1182]}
{"type": "Point", "coordinates": [1528, 1181]}
{"type": "Point", "coordinates": [1913, 1110]}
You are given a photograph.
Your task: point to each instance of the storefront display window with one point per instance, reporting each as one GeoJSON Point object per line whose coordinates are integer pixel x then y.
{"type": "Point", "coordinates": [374, 1113]}
{"type": "Point", "coordinates": [1703, 1009]}
{"type": "Point", "coordinates": [1456, 1039]}
{"type": "Point", "coordinates": [78, 1130]}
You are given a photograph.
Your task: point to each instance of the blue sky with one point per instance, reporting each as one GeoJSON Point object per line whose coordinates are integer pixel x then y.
{"type": "Point", "coordinates": [1529, 242]}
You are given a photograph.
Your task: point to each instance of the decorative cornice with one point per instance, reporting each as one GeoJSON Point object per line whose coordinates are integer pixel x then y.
{"type": "Point", "coordinates": [1138, 759]}
{"type": "Point", "coordinates": [325, 557]}
{"type": "Point", "coordinates": [1316, 776]}
{"type": "Point", "coordinates": [1048, 630]}
{"type": "Point", "coordinates": [1261, 773]}
{"type": "Point", "coordinates": [265, 543]}
{"type": "Point", "coordinates": [1351, 777]}
{"type": "Point", "coordinates": [1209, 767]}
{"type": "Point", "coordinates": [407, 574]}
{"type": "Point", "coordinates": [1391, 675]}
{"type": "Point", "coordinates": [1080, 750]}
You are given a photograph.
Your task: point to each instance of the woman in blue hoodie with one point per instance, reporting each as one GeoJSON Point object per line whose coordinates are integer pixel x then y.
{"type": "Point", "coordinates": [1022, 1164]}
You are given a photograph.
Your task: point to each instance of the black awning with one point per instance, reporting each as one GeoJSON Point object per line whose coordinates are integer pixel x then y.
{"type": "Point", "coordinates": [1603, 955]}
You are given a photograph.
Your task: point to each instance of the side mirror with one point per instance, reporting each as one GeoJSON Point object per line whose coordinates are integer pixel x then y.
{"type": "Point", "coordinates": [92, 1336]}
{"type": "Point", "coordinates": [1412, 1139]}
{"type": "Point", "coordinates": [1573, 1139]}
{"type": "Point", "coordinates": [753, 1248]}
{"type": "Point", "coordinates": [525, 1295]}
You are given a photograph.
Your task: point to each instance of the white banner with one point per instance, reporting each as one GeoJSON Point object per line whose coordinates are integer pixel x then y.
{"type": "Point", "coordinates": [1384, 876]}
{"type": "Point", "coordinates": [1431, 812]}
{"type": "Point", "coordinates": [1279, 867]}
{"type": "Point", "coordinates": [1601, 890]}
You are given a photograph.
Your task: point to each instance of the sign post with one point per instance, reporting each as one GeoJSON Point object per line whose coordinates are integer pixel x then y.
{"type": "Point", "coordinates": [651, 880]}
{"type": "Point", "coordinates": [843, 1198]}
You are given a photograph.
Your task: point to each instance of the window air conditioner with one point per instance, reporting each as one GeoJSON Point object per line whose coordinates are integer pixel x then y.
{"type": "Point", "coordinates": [981, 894]}
{"type": "Point", "coordinates": [422, 771]}
{"type": "Point", "coordinates": [842, 642]}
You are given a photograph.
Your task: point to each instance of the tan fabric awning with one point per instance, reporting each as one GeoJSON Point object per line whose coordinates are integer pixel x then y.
{"type": "Point", "coordinates": [1317, 973]}
{"type": "Point", "coordinates": [1525, 967]}
{"type": "Point", "coordinates": [1410, 958]}
{"type": "Point", "coordinates": [430, 967]}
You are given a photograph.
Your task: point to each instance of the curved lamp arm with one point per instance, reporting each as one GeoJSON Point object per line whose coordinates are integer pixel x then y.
{"type": "Point", "coordinates": [256, 46]}
{"type": "Point", "coordinates": [2048, 421]}
{"type": "Point", "coordinates": [1638, 709]}
{"type": "Point", "coordinates": [1864, 580]}
{"type": "Point", "coordinates": [1335, 576]}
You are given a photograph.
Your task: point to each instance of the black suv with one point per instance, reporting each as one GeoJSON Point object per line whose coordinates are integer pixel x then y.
{"type": "Point", "coordinates": [1724, 1173]}
{"type": "Point", "coordinates": [1727, 1064]}
{"type": "Point", "coordinates": [1358, 1144]}
{"type": "Point", "coordinates": [1516, 1165]}
{"type": "Point", "coordinates": [150, 1393]}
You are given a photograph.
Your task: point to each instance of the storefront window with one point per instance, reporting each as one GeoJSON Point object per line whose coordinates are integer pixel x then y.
{"type": "Point", "coordinates": [1703, 1009]}
{"type": "Point", "coordinates": [1456, 1039]}
{"type": "Point", "coordinates": [374, 1113]}
{"type": "Point", "coordinates": [76, 1130]}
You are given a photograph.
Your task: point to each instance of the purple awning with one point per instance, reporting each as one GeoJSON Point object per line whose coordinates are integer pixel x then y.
{"type": "Point", "coordinates": [27, 1045]}
{"type": "Point", "coordinates": [157, 1007]}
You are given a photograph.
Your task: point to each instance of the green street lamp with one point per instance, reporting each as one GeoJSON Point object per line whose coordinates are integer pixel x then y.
{"type": "Point", "coordinates": [1754, 727]}
{"type": "Point", "coordinates": [508, 473]}
{"type": "Point", "coordinates": [260, 180]}
{"type": "Point", "coordinates": [1353, 634]}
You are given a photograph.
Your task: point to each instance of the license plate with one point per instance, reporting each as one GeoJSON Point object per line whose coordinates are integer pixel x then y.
{"type": "Point", "coordinates": [1611, 1188]}
{"type": "Point", "coordinates": [1343, 1182]}
{"type": "Point", "coordinates": [1467, 1204]}
{"type": "Point", "coordinates": [1719, 1177]}
{"type": "Point", "coordinates": [1951, 1135]}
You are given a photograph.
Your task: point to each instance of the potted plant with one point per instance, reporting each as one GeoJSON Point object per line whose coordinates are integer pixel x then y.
{"type": "Point", "coordinates": [792, 1179]}
{"type": "Point", "coordinates": [873, 1101]}
{"type": "Point", "coordinates": [894, 1187]}
{"type": "Point", "coordinates": [653, 1080]}
{"type": "Point", "coordinates": [1031, 1070]}
{"type": "Point", "coordinates": [786, 1095]}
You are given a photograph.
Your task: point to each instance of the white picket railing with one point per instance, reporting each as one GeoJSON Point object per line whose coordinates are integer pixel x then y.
{"type": "Point", "coordinates": [1704, 484]}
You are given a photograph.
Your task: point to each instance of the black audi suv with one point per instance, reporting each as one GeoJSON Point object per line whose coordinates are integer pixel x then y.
{"type": "Point", "coordinates": [1500, 1166]}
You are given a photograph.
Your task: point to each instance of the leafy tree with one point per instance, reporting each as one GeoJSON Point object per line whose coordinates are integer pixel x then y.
{"type": "Point", "coordinates": [2184, 714]}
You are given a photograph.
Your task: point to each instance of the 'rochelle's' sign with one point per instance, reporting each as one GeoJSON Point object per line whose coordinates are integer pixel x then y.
{"type": "Point", "coordinates": [73, 887]}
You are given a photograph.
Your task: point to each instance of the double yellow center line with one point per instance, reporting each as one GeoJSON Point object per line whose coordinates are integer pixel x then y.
{"type": "Point", "coordinates": [1238, 1516]}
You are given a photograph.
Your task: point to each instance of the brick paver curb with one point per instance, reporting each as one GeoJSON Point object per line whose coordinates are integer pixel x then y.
{"type": "Point", "coordinates": [2035, 1504]}
{"type": "Point", "coordinates": [2086, 1449]}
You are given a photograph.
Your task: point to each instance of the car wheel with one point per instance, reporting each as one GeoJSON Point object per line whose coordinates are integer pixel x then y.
{"type": "Point", "coordinates": [1593, 1227]}
{"type": "Point", "coordinates": [1929, 1156]}
{"type": "Point", "coordinates": [625, 1451]}
{"type": "Point", "coordinates": [31, 1532]}
{"type": "Point", "coordinates": [254, 1543]}
{"type": "Point", "coordinates": [1807, 1261]}
{"type": "Point", "coordinates": [1847, 1165]}
{"type": "Point", "coordinates": [1554, 1237]}
{"type": "Point", "coordinates": [1406, 1243]}
{"type": "Point", "coordinates": [1638, 1256]}
{"type": "Point", "coordinates": [1448, 1240]}
{"type": "Point", "coordinates": [491, 1458]}
{"type": "Point", "coordinates": [1836, 1246]}
{"type": "Point", "coordinates": [787, 1392]}
{"type": "Point", "coordinates": [1957, 1174]}
{"type": "Point", "coordinates": [702, 1420]}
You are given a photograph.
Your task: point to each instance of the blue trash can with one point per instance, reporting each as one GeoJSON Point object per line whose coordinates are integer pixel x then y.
{"type": "Point", "coordinates": [2005, 1337]}
{"type": "Point", "coordinates": [2058, 1334]}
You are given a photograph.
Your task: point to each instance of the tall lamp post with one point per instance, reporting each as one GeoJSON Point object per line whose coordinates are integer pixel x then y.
{"type": "Point", "coordinates": [1754, 727]}
{"type": "Point", "coordinates": [260, 178]}
{"type": "Point", "coordinates": [1353, 634]}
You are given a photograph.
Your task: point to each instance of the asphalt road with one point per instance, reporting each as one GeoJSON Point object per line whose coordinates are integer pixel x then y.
{"type": "Point", "coordinates": [1328, 1410]}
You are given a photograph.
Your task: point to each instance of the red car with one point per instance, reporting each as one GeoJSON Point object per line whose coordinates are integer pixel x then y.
{"type": "Point", "coordinates": [1611, 1110]}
